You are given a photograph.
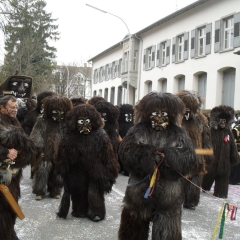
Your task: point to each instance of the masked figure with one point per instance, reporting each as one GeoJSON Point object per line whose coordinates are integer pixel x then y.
{"type": "Point", "coordinates": [87, 164]}
{"type": "Point", "coordinates": [47, 134]}
{"type": "Point", "coordinates": [196, 126]}
{"type": "Point", "coordinates": [18, 86]}
{"type": "Point", "coordinates": [11, 173]}
{"type": "Point", "coordinates": [156, 150]}
{"type": "Point", "coordinates": [224, 149]}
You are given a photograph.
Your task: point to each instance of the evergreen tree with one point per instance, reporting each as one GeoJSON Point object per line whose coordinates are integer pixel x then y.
{"type": "Point", "coordinates": [27, 36]}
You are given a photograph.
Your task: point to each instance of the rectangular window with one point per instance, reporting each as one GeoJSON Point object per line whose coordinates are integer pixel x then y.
{"type": "Point", "coordinates": [228, 33]}
{"type": "Point", "coordinates": [108, 72]}
{"type": "Point", "coordinates": [120, 67]}
{"type": "Point", "coordinates": [163, 53]}
{"type": "Point", "coordinates": [113, 70]}
{"type": "Point", "coordinates": [201, 41]}
{"type": "Point", "coordinates": [180, 47]}
{"type": "Point", "coordinates": [125, 61]}
{"type": "Point", "coordinates": [100, 75]}
{"type": "Point", "coordinates": [135, 60]}
{"type": "Point", "coordinates": [149, 57]}
{"type": "Point", "coordinates": [95, 76]}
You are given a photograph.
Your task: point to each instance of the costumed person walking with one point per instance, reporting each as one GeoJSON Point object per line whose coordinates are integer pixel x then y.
{"type": "Point", "coordinates": [31, 117]}
{"type": "Point", "coordinates": [110, 114]}
{"type": "Point", "coordinates": [125, 122]}
{"type": "Point", "coordinates": [155, 151]}
{"type": "Point", "coordinates": [224, 150]}
{"type": "Point", "coordinates": [196, 126]}
{"type": "Point", "coordinates": [87, 164]}
{"type": "Point", "coordinates": [16, 151]}
{"type": "Point", "coordinates": [46, 135]}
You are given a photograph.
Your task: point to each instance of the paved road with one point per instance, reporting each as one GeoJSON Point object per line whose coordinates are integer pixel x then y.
{"type": "Point", "coordinates": [41, 222]}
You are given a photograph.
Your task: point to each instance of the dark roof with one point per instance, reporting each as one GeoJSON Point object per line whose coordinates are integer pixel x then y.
{"type": "Point", "coordinates": [161, 21]}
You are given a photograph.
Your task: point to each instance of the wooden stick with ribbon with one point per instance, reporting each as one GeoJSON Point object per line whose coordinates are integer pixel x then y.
{"type": "Point", "coordinates": [12, 202]}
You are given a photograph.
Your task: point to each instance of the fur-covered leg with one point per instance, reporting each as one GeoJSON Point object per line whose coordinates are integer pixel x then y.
{"type": "Point", "coordinates": [166, 227]}
{"type": "Point", "coordinates": [54, 184]}
{"type": "Point", "coordinates": [132, 228]}
{"type": "Point", "coordinates": [65, 203]}
{"type": "Point", "coordinates": [7, 220]}
{"type": "Point", "coordinates": [221, 186]}
{"type": "Point", "coordinates": [41, 178]}
{"type": "Point", "coordinates": [78, 186]}
{"type": "Point", "coordinates": [96, 203]}
{"type": "Point", "coordinates": [192, 193]}
{"type": "Point", "coordinates": [208, 180]}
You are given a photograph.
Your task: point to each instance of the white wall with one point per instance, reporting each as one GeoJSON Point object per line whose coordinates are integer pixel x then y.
{"type": "Point", "coordinates": [202, 15]}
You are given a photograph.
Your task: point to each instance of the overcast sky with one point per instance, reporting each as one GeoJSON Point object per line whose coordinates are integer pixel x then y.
{"type": "Point", "coordinates": [85, 32]}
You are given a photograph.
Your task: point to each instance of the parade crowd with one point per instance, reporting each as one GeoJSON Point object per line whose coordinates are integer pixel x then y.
{"type": "Point", "coordinates": [76, 148]}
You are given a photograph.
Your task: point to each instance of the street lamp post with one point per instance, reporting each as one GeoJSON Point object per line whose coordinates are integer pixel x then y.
{"type": "Point", "coordinates": [67, 71]}
{"type": "Point", "coordinates": [129, 52]}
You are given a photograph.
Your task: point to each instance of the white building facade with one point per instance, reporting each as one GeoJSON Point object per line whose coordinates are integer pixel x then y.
{"type": "Point", "coordinates": [191, 49]}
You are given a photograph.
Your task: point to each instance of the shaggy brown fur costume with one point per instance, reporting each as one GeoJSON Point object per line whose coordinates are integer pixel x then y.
{"type": "Point", "coordinates": [12, 137]}
{"type": "Point", "coordinates": [224, 149]}
{"type": "Point", "coordinates": [18, 86]}
{"type": "Point", "coordinates": [31, 117]}
{"type": "Point", "coordinates": [25, 105]}
{"type": "Point", "coordinates": [125, 119]}
{"type": "Point", "coordinates": [87, 163]}
{"type": "Point", "coordinates": [196, 126]}
{"type": "Point", "coordinates": [110, 115]}
{"type": "Point", "coordinates": [77, 101]}
{"type": "Point", "coordinates": [125, 122]}
{"type": "Point", "coordinates": [157, 129]}
{"type": "Point", "coordinates": [46, 134]}
{"type": "Point", "coordinates": [96, 99]}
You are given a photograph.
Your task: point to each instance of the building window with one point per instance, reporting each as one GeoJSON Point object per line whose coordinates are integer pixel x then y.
{"type": "Point", "coordinates": [103, 73]}
{"type": "Point", "coordinates": [120, 67]}
{"type": "Point", "coordinates": [125, 61]}
{"type": "Point", "coordinates": [95, 76]}
{"type": "Point", "coordinates": [113, 70]}
{"type": "Point", "coordinates": [149, 86]}
{"type": "Point", "coordinates": [181, 83]}
{"type": "Point", "coordinates": [180, 47]}
{"type": "Point", "coordinates": [135, 60]}
{"type": "Point", "coordinates": [228, 33]}
{"type": "Point", "coordinates": [163, 53]}
{"type": "Point", "coordinates": [100, 74]}
{"type": "Point", "coordinates": [109, 71]}
{"type": "Point", "coordinates": [201, 41]}
{"type": "Point", "coordinates": [164, 85]}
{"type": "Point", "coordinates": [149, 58]}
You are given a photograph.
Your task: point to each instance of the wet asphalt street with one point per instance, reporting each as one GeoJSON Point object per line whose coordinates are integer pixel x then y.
{"type": "Point", "coordinates": [41, 222]}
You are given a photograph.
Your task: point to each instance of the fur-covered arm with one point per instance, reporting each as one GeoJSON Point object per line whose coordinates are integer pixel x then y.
{"type": "Point", "coordinates": [106, 167]}
{"type": "Point", "coordinates": [61, 161]}
{"type": "Point", "coordinates": [207, 144]}
{"type": "Point", "coordinates": [138, 158]}
{"type": "Point", "coordinates": [179, 156]}
{"type": "Point", "coordinates": [37, 136]}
